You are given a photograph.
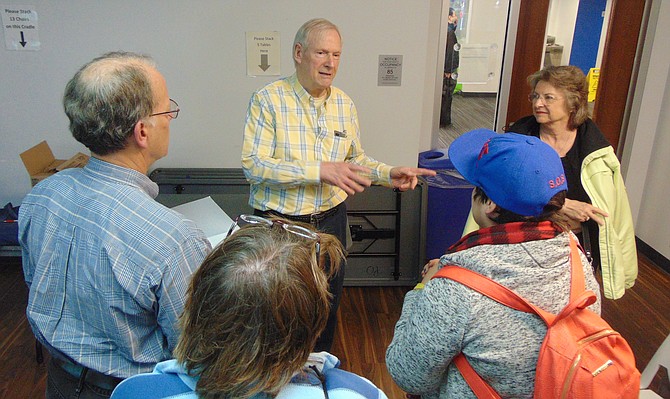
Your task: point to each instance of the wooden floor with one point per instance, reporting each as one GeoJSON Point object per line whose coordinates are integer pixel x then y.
{"type": "Point", "coordinates": [20, 375]}
{"type": "Point", "coordinates": [367, 319]}
{"type": "Point", "coordinates": [468, 112]}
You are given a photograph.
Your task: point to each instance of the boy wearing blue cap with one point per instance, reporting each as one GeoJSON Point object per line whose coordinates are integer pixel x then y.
{"type": "Point", "coordinates": [519, 186]}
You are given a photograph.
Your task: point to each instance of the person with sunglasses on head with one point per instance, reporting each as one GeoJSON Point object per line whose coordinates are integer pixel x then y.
{"type": "Point", "coordinates": [254, 311]}
{"type": "Point", "coordinates": [597, 207]}
{"type": "Point", "coordinates": [106, 265]}
{"type": "Point", "coordinates": [302, 153]}
{"type": "Point", "coordinates": [522, 244]}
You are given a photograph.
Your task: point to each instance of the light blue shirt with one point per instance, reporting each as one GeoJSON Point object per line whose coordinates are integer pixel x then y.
{"type": "Point", "coordinates": [107, 267]}
{"type": "Point", "coordinates": [170, 380]}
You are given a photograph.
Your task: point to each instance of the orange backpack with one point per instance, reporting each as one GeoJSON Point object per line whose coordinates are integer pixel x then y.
{"type": "Point", "coordinates": [581, 355]}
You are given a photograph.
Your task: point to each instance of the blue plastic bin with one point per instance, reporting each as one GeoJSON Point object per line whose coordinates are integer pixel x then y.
{"type": "Point", "coordinates": [448, 202]}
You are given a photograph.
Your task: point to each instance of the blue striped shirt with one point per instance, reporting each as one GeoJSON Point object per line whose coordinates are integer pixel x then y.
{"type": "Point", "coordinates": [288, 134]}
{"type": "Point", "coordinates": [107, 267]}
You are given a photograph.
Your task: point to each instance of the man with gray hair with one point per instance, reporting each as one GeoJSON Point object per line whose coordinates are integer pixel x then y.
{"type": "Point", "coordinates": [106, 265]}
{"type": "Point", "coordinates": [302, 152]}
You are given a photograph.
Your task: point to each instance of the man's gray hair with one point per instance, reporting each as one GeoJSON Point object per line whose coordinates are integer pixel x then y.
{"type": "Point", "coordinates": [305, 34]}
{"type": "Point", "coordinates": [106, 98]}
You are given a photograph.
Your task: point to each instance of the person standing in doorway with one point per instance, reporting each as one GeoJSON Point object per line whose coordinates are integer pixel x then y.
{"type": "Point", "coordinates": [451, 61]}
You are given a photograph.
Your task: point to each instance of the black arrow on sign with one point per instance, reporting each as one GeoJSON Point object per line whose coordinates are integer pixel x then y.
{"type": "Point", "coordinates": [264, 62]}
{"type": "Point", "coordinates": [23, 41]}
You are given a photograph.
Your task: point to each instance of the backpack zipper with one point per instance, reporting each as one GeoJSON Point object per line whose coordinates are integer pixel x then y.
{"type": "Point", "coordinates": [578, 359]}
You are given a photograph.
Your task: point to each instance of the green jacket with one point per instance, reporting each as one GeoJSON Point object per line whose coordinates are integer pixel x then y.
{"type": "Point", "coordinates": [603, 182]}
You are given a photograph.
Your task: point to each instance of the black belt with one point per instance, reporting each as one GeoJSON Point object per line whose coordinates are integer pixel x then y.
{"type": "Point", "coordinates": [309, 218]}
{"type": "Point", "coordinates": [85, 374]}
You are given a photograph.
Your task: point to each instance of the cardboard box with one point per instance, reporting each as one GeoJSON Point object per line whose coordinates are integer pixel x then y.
{"type": "Point", "coordinates": [41, 163]}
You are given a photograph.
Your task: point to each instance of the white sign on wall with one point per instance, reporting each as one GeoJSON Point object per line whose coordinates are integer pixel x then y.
{"type": "Point", "coordinates": [20, 26]}
{"type": "Point", "coordinates": [390, 70]}
{"type": "Point", "coordinates": [263, 53]}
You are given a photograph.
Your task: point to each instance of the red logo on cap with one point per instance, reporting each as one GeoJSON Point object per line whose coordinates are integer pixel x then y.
{"type": "Point", "coordinates": [485, 150]}
{"type": "Point", "coordinates": [558, 181]}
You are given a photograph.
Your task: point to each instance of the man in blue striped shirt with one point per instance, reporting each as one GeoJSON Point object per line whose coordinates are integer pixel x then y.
{"type": "Point", "coordinates": [107, 265]}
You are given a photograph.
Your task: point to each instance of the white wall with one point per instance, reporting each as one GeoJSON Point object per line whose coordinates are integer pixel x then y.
{"type": "Point", "coordinates": [647, 145]}
{"type": "Point", "coordinates": [200, 48]}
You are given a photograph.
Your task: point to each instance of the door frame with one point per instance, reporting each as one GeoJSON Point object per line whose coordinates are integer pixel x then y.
{"type": "Point", "coordinates": [618, 70]}
{"type": "Point", "coordinates": [527, 59]}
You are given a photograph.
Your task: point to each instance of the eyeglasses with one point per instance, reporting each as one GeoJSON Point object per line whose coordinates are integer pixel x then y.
{"type": "Point", "coordinates": [174, 110]}
{"type": "Point", "coordinates": [548, 99]}
{"type": "Point", "coordinates": [291, 228]}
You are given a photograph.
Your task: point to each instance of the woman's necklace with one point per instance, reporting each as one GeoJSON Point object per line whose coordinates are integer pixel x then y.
{"type": "Point", "coordinates": [561, 142]}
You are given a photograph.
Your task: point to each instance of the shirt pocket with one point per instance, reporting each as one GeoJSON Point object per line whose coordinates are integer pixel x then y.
{"type": "Point", "coordinates": [337, 147]}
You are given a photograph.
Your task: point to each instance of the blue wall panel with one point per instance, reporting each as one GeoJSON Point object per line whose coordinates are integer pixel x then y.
{"type": "Point", "coordinates": [587, 34]}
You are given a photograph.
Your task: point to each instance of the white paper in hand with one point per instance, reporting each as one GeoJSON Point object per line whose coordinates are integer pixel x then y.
{"type": "Point", "coordinates": [209, 217]}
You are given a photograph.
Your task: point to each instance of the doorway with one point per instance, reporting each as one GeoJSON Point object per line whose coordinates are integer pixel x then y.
{"type": "Point", "coordinates": [480, 31]}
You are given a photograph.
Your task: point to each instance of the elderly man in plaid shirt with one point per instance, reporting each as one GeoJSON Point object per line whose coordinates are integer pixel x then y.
{"type": "Point", "coordinates": [302, 152]}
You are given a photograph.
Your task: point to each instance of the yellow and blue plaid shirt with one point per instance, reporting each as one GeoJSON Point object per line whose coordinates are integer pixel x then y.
{"type": "Point", "coordinates": [287, 136]}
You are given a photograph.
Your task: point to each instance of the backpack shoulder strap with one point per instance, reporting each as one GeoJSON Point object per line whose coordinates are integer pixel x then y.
{"type": "Point", "coordinates": [493, 290]}
{"type": "Point", "coordinates": [480, 387]}
{"type": "Point", "coordinates": [577, 281]}
{"type": "Point", "coordinates": [509, 298]}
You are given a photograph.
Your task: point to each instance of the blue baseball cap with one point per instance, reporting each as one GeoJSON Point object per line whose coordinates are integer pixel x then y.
{"type": "Point", "coordinates": [519, 173]}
